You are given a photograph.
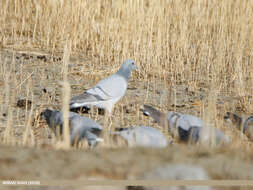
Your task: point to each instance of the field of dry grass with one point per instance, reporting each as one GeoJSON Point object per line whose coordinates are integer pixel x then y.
{"type": "Point", "coordinates": [194, 57]}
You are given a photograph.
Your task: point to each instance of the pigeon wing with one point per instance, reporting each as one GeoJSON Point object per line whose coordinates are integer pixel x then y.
{"type": "Point", "coordinates": [112, 87]}
{"type": "Point", "coordinates": [84, 99]}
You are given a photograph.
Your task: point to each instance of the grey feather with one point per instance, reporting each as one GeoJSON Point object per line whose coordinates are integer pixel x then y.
{"type": "Point", "coordinates": [158, 116]}
{"type": "Point", "coordinates": [248, 123]}
{"type": "Point", "coordinates": [86, 97]}
{"type": "Point", "coordinates": [188, 128]}
{"type": "Point", "coordinates": [235, 119]}
{"type": "Point", "coordinates": [106, 92]}
{"type": "Point", "coordinates": [80, 127]}
{"type": "Point", "coordinates": [143, 136]}
{"type": "Point", "coordinates": [242, 123]}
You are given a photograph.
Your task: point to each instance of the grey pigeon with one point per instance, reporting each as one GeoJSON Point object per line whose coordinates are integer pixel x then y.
{"type": "Point", "coordinates": [188, 128]}
{"type": "Point", "coordinates": [80, 127]}
{"type": "Point", "coordinates": [242, 123]}
{"type": "Point", "coordinates": [106, 92]}
{"type": "Point", "coordinates": [142, 136]}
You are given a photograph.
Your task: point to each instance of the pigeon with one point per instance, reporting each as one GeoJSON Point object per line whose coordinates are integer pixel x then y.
{"type": "Point", "coordinates": [187, 128]}
{"type": "Point", "coordinates": [142, 136]}
{"type": "Point", "coordinates": [80, 127]}
{"type": "Point", "coordinates": [106, 93]}
{"type": "Point", "coordinates": [244, 124]}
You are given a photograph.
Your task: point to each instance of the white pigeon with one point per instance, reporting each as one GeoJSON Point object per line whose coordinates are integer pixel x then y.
{"type": "Point", "coordinates": [188, 128]}
{"type": "Point", "coordinates": [142, 136]}
{"type": "Point", "coordinates": [80, 127]}
{"type": "Point", "coordinates": [106, 93]}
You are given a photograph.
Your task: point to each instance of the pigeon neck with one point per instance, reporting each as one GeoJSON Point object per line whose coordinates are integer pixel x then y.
{"type": "Point", "coordinates": [247, 123]}
{"type": "Point", "coordinates": [124, 73]}
{"type": "Point", "coordinates": [48, 121]}
{"type": "Point", "coordinates": [47, 115]}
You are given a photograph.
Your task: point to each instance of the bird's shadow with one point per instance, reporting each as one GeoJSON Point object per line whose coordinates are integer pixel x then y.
{"type": "Point", "coordinates": [87, 110]}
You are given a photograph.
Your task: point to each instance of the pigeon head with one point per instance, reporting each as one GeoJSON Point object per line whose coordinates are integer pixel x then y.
{"type": "Point", "coordinates": [126, 68]}
{"type": "Point", "coordinates": [158, 116]}
{"type": "Point", "coordinates": [234, 118]}
{"type": "Point", "coordinates": [47, 114]}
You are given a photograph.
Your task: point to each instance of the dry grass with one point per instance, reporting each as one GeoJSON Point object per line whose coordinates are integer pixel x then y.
{"type": "Point", "coordinates": [203, 45]}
